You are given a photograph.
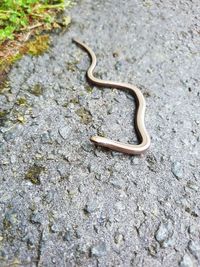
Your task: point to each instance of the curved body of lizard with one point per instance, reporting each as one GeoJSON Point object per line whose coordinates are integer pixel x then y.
{"type": "Point", "coordinates": [139, 121]}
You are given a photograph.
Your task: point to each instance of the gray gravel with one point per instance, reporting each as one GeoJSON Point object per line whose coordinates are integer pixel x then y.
{"type": "Point", "coordinates": [65, 202]}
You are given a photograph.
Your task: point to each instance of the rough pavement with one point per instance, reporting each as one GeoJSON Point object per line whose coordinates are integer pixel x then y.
{"type": "Point", "coordinates": [65, 202]}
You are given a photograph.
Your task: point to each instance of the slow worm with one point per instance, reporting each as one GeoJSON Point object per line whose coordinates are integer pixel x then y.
{"type": "Point", "coordinates": [139, 121]}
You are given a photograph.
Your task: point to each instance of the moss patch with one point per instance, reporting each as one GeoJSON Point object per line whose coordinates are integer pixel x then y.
{"type": "Point", "coordinates": [33, 174]}
{"type": "Point", "coordinates": [89, 89]}
{"type": "Point", "coordinates": [101, 133]}
{"type": "Point", "coordinates": [84, 115]}
{"type": "Point", "coordinates": [71, 66]}
{"type": "Point", "coordinates": [3, 117]}
{"type": "Point", "coordinates": [35, 47]}
{"type": "Point", "coordinates": [37, 90]}
{"type": "Point", "coordinates": [38, 46]}
{"type": "Point", "coordinates": [74, 100]}
{"type": "Point", "coordinates": [21, 101]}
{"type": "Point", "coordinates": [20, 118]}
{"type": "Point", "coordinates": [6, 224]}
{"type": "Point", "coordinates": [4, 84]}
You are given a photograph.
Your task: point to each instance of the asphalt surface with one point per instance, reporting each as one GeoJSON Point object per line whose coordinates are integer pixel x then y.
{"type": "Point", "coordinates": [65, 202]}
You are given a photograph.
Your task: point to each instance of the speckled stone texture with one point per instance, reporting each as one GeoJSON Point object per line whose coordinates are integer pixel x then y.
{"type": "Point", "coordinates": [65, 202]}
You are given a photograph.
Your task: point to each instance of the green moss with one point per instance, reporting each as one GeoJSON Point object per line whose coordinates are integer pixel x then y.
{"type": "Point", "coordinates": [115, 54]}
{"type": "Point", "coordinates": [84, 115]}
{"type": "Point", "coordinates": [74, 100]}
{"type": "Point", "coordinates": [147, 3]}
{"type": "Point", "coordinates": [20, 15]}
{"type": "Point", "coordinates": [3, 113]}
{"type": "Point", "coordinates": [65, 105]}
{"type": "Point", "coordinates": [147, 94]}
{"type": "Point", "coordinates": [7, 61]}
{"type": "Point", "coordinates": [34, 47]}
{"type": "Point", "coordinates": [21, 101]}
{"type": "Point", "coordinates": [3, 117]}
{"type": "Point", "coordinates": [38, 46]}
{"type": "Point", "coordinates": [37, 90]}
{"type": "Point", "coordinates": [21, 118]}
{"type": "Point", "coordinates": [33, 174]}
{"type": "Point", "coordinates": [89, 89]}
{"type": "Point", "coordinates": [66, 20]}
{"type": "Point", "coordinates": [4, 84]}
{"type": "Point", "coordinates": [101, 133]}
{"type": "Point", "coordinates": [9, 220]}
{"type": "Point", "coordinates": [71, 66]}
{"type": "Point", "coordinates": [6, 224]}
{"type": "Point", "coordinates": [152, 162]}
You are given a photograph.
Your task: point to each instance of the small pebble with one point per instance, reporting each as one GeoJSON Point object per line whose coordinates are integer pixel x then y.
{"type": "Point", "coordinates": [119, 238]}
{"type": "Point", "coordinates": [192, 185]}
{"type": "Point", "coordinates": [120, 206]}
{"type": "Point", "coordinates": [135, 160]}
{"type": "Point", "coordinates": [91, 207]}
{"type": "Point", "coordinates": [67, 236]}
{"type": "Point", "coordinates": [3, 255]}
{"type": "Point", "coordinates": [13, 159]}
{"type": "Point", "coordinates": [55, 228]}
{"type": "Point", "coordinates": [36, 218]}
{"type": "Point", "coordinates": [9, 135]}
{"type": "Point", "coordinates": [117, 183]}
{"type": "Point", "coordinates": [45, 138]}
{"type": "Point", "coordinates": [194, 248]}
{"type": "Point", "coordinates": [177, 170]}
{"type": "Point", "coordinates": [64, 132]}
{"type": "Point", "coordinates": [164, 234]}
{"type": "Point", "coordinates": [99, 250]}
{"type": "Point", "coordinates": [29, 238]}
{"type": "Point", "coordinates": [192, 230]}
{"type": "Point", "coordinates": [186, 261]}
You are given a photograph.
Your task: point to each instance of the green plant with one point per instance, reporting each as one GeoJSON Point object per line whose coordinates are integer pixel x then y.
{"type": "Point", "coordinates": [22, 15]}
